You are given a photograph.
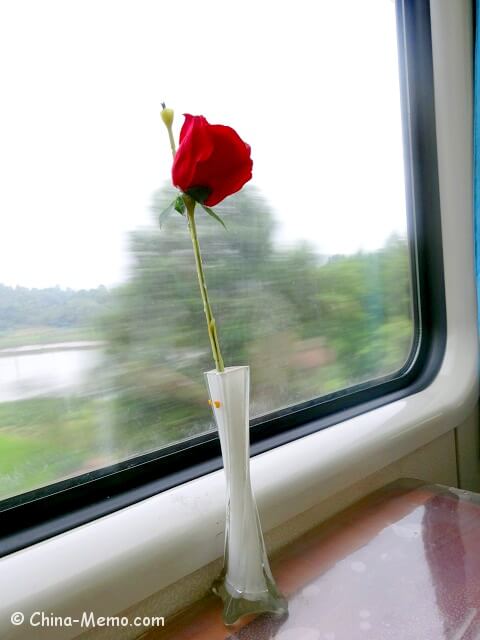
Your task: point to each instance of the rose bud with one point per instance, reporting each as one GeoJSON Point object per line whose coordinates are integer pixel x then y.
{"type": "Point", "coordinates": [211, 159]}
{"type": "Point", "coordinates": [167, 116]}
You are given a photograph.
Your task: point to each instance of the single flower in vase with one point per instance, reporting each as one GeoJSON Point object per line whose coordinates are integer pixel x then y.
{"type": "Point", "coordinates": [212, 162]}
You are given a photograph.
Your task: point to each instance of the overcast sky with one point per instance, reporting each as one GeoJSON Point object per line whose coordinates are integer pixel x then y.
{"type": "Point", "coordinates": [311, 85]}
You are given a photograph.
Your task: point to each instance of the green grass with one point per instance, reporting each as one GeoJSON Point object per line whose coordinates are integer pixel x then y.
{"type": "Point", "coordinates": [44, 335]}
{"type": "Point", "coordinates": [44, 440]}
{"type": "Point", "coordinates": [14, 451]}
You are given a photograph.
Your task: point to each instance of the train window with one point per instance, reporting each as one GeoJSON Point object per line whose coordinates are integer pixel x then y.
{"type": "Point", "coordinates": [315, 283]}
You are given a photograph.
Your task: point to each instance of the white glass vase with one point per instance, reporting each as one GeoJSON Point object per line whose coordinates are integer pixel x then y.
{"type": "Point", "coordinates": [246, 584]}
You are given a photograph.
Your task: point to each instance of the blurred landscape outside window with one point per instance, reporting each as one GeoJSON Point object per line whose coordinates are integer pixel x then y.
{"type": "Point", "coordinates": [103, 342]}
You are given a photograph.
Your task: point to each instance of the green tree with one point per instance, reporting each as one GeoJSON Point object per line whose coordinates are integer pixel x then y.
{"type": "Point", "coordinates": [305, 324]}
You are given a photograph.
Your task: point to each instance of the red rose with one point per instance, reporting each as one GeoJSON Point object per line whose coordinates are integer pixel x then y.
{"type": "Point", "coordinates": [212, 157]}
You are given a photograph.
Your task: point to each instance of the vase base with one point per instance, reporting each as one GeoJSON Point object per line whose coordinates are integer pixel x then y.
{"type": "Point", "coordinates": [245, 604]}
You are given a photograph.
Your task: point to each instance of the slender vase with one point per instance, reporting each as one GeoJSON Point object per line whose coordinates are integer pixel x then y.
{"type": "Point", "coordinates": [245, 585]}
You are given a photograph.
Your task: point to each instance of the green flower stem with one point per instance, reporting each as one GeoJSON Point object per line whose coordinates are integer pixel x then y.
{"type": "Point", "coordinates": [172, 141]}
{"type": "Point", "coordinates": [212, 328]}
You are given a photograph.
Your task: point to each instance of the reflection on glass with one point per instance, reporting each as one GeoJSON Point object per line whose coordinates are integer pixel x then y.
{"type": "Point", "coordinates": [102, 335]}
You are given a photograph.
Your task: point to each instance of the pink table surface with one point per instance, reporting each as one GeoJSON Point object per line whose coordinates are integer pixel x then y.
{"type": "Point", "coordinates": [402, 564]}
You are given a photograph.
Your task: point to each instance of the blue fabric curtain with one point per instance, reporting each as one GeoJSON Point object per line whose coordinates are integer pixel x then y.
{"type": "Point", "coordinates": [476, 151]}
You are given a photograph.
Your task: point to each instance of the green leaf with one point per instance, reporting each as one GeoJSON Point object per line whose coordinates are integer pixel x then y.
{"type": "Point", "coordinates": [199, 194]}
{"type": "Point", "coordinates": [214, 215]}
{"type": "Point", "coordinates": [176, 205]}
{"type": "Point", "coordinates": [166, 213]}
{"type": "Point", "coordinates": [179, 205]}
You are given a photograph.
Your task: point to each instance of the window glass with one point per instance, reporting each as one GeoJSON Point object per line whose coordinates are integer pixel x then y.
{"type": "Point", "coordinates": [103, 341]}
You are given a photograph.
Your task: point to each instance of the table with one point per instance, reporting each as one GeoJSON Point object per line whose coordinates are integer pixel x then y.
{"type": "Point", "coordinates": [402, 564]}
